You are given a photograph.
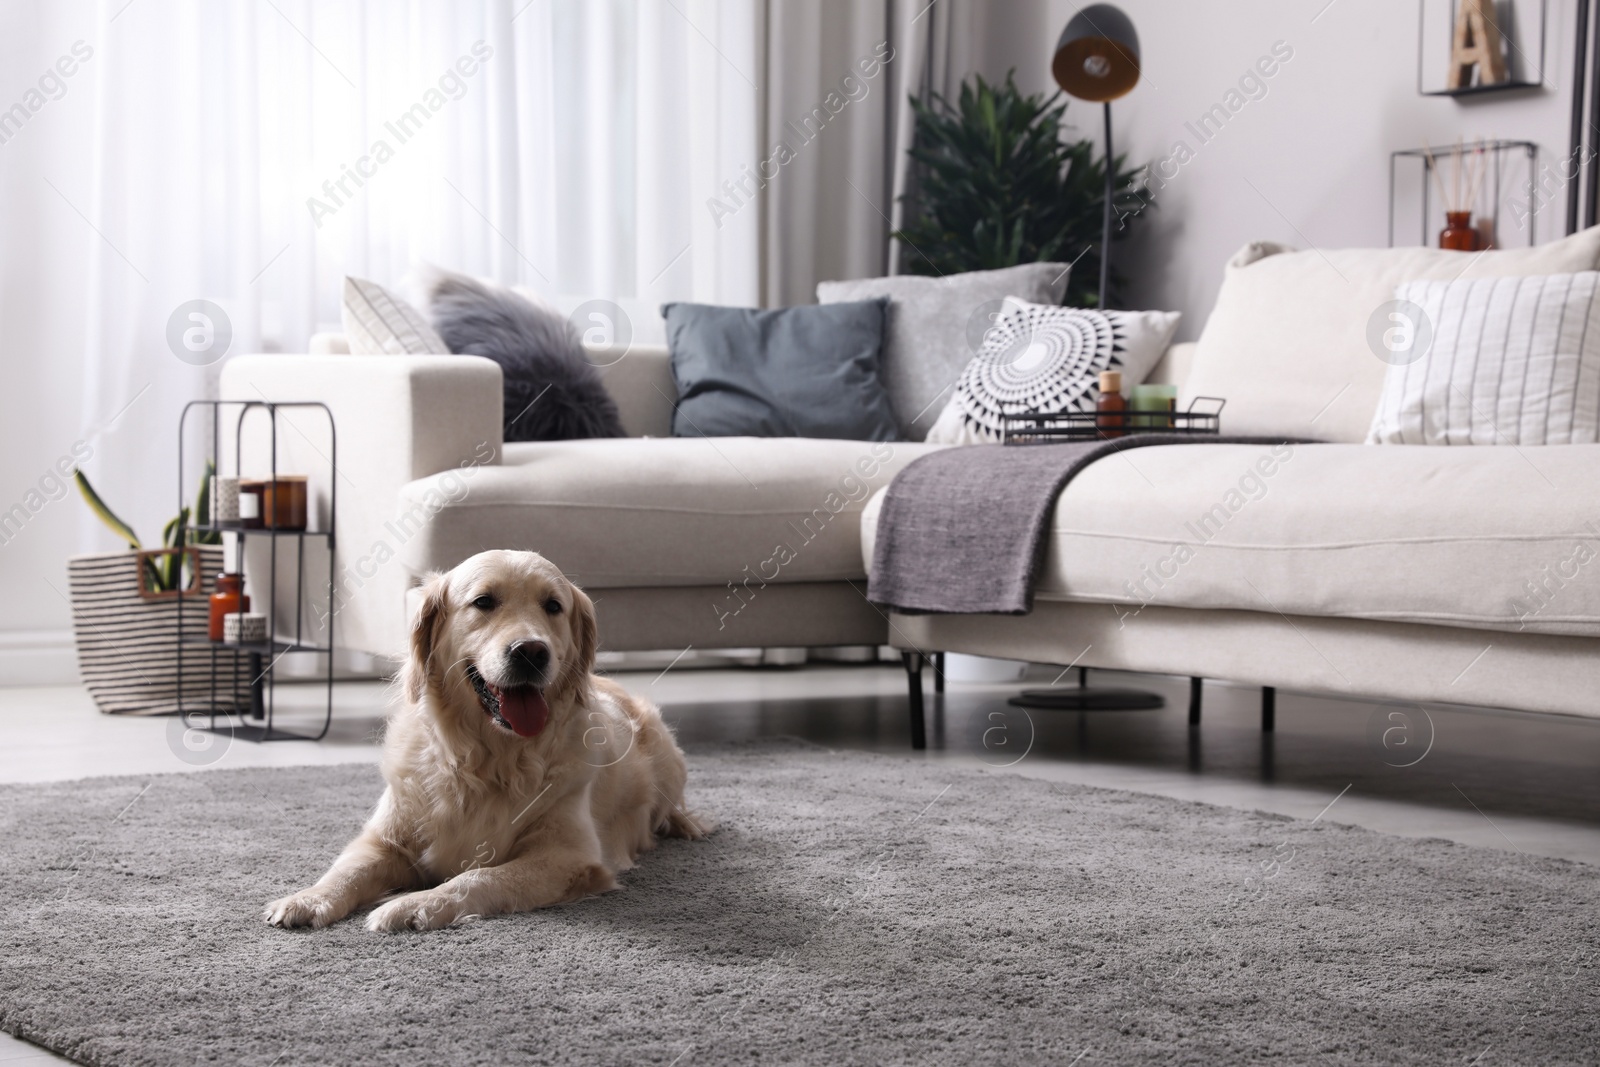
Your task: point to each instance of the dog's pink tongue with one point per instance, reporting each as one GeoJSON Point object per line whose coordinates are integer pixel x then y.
{"type": "Point", "coordinates": [524, 708]}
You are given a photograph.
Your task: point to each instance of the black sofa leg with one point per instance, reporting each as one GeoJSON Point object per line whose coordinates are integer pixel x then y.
{"type": "Point", "coordinates": [938, 672]}
{"type": "Point", "coordinates": [1269, 708]}
{"type": "Point", "coordinates": [1194, 700]}
{"type": "Point", "coordinates": [919, 729]}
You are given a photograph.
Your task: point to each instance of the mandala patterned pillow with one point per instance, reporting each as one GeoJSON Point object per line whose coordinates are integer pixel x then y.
{"type": "Point", "coordinates": [1037, 357]}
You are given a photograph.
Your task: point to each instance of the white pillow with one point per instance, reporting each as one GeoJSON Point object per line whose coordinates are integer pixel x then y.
{"type": "Point", "coordinates": [1047, 358]}
{"type": "Point", "coordinates": [1498, 361]}
{"type": "Point", "coordinates": [379, 323]}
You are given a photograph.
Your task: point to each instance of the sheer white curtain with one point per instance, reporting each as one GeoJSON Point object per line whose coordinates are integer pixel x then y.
{"type": "Point", "coordinates": [253, 153]}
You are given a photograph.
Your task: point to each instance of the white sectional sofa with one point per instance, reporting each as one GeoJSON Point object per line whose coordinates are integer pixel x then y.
{"type": "Point", "coordinates": [1467, 575]}
{"type": "Point", "coordinates": [1385, 572]}
{"type": "Point", "coordinates": [681, 541]}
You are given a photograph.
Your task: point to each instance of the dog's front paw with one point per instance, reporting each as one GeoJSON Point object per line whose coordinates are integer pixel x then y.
{"type": "Point", "coordinates": [305, 908]}
{"type": "Point", "coordinates": [428, 910]}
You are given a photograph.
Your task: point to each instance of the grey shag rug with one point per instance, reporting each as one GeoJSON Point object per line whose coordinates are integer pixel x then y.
{"type": "Point", "coordinates": [851, 909]}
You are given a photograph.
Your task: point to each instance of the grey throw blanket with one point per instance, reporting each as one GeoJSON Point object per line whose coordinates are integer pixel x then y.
{"type": "Point", "coordinates": [962, 530]}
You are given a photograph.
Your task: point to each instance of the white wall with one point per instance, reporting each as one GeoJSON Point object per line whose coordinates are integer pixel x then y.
{"type": "Point", "coordinates": [1315, 148]}
{"type": "Point", "coordinates": [42, 330]}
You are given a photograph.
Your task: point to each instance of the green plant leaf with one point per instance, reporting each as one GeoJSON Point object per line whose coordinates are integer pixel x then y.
{"type": "Point", "coordinates": [173, 537]}
{"type": "Point", "coordinates": [107, 516]}
{"type": "Point", "coordinates": [153, 578]}
{"type": "Point", "coordinates": [994, 184]}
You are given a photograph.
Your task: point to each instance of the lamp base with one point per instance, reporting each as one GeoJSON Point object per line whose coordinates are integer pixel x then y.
{"type": "Point", "coordinates": [1088, 700]}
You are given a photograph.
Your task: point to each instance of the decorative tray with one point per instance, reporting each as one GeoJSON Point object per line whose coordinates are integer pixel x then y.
{"type": "Point", "coordinates": [1204, 417]}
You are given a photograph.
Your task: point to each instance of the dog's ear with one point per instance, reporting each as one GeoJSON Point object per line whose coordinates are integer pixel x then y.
{"type": "Point", "coordinates": [585, 631]}
{"type": "Point", "coordinates": [429, 618]}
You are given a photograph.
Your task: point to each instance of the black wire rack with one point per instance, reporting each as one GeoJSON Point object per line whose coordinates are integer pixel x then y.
{"type": "Point", "coordinates": [255, 720]}
{"type": "Point", "coordinates": [1494, 180]}
{"type": "Point", "coordinates": [1203, 417]}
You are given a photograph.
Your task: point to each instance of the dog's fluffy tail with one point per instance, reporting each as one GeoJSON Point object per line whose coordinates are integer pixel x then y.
{"type": "Point", "coordinates": [680, 822]}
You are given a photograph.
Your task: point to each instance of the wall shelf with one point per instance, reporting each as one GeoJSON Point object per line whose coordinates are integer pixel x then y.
{"type": "Point", "coordinates": [1486, 90]}
{"type": "Point", "coordinates": [1522, 26]}
{"type": "Point", "coordinates": [1501, 181]}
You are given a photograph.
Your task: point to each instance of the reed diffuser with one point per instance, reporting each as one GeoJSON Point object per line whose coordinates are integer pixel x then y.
{"type": "Point", "coordinates": [1467, 167]}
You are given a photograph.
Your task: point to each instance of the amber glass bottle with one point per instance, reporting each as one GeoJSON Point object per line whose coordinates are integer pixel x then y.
{"type": "Point", "coordinates": [1111, 418]}
{"type": "Point", "coordinates": [228, 599]}
{"type": "Point", "coordinates": [1459, 235]}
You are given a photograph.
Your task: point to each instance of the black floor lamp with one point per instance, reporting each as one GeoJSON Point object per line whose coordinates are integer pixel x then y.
{"type": "Point", "coordinates": [1097, 59]}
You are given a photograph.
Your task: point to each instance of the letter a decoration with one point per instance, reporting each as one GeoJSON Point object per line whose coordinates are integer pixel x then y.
{"type": "Point", "coordinates": [1477, 44]}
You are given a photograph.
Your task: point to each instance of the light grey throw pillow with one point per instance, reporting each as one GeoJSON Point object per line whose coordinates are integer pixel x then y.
{"type": "Point", "coordinates": [936, 325]}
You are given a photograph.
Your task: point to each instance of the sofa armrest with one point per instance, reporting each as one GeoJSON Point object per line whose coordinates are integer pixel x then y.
{"type": "Point", "coordinates": [398, 418]}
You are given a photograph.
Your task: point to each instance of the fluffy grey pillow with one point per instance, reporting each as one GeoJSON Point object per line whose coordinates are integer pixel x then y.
{"type": "Point", "coordinates": [936, 325]}
{"type": "Point", "coordinates": [551, 392]}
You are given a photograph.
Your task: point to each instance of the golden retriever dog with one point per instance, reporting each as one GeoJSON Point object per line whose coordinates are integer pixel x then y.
{"type": "Point", "coordinates": [516, 778]}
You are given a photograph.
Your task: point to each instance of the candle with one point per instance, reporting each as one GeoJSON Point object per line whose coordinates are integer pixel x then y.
{"type": "Point", "coordinates": [1154, 398]}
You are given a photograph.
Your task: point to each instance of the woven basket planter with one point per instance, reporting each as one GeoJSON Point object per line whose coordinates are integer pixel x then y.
{"type": "Point", "coordinates": [127, 638]}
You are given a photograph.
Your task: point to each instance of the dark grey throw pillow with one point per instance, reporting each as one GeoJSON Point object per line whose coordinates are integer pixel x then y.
{"type": "Point", "coordinates": [551, 392]}
{"type": "Point", "coordinates": [791, 372]}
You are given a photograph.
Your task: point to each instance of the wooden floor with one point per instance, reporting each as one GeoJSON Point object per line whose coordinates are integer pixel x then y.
{"type": "Point", "coordinates": [1527, 783]}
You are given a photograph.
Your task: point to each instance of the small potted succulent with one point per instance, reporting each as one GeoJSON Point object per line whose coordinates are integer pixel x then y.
{"type": "Point", "coordinates": [128, 608]}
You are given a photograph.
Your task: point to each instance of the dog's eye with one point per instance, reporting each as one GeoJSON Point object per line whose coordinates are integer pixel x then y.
{"type": "Point", "coordinates": [552, 606]}
{"type": "Point", "coordinates": [485, 603]}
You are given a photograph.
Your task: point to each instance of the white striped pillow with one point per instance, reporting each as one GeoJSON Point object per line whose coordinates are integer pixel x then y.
{"type": "Point", "coordinates": [378, 323]}
{"type": "Point", "coordinates": [1510, 361]}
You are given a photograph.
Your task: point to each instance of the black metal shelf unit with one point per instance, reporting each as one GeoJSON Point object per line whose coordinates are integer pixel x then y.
{"type": "Point", "coordinates": [256, 724]}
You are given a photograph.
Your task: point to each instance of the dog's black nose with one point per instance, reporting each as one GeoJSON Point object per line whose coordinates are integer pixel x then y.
{"type": "Point", "coordinates": [529, 658]}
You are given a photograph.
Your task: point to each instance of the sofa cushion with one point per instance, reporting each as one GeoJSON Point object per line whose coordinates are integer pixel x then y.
{"type": "Point", "coordinates": [936, 325]}
{"type": "Point", "coordinates": [1491, 538]}
{"type": "Point", "coordinates": [1287, 343]}
{"type": "Point", "coordinates": [659, 512]}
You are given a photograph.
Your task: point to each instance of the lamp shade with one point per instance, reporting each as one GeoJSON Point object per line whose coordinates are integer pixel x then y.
{"type": "Point", "coordinates": [1097, 57]}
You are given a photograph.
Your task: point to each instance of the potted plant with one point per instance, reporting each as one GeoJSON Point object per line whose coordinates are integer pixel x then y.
{"type": "Point", "coordinates": [994, 185]}
{"type": "Point", "coordinates": [129, 607]}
